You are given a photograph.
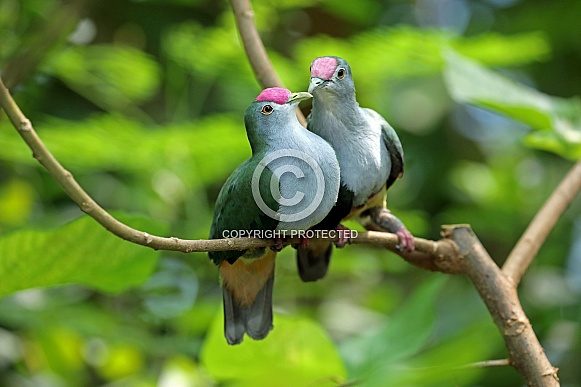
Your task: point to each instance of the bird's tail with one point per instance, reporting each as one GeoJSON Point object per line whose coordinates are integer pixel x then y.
{"type": "Point", "coordinates": [313, 260]}
{"type": "Point", "coordinates": [247, 291]}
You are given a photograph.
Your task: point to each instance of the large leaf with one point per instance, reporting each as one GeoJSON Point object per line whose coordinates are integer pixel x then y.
{"type": "Point", "coordinates": [400, 337]}
{"type": "Point", "coordinates": [80, 252]}
{"type": "Point", "coordinates": [556, 120]}
{"type": "Point", "coordinates": [296, 353]}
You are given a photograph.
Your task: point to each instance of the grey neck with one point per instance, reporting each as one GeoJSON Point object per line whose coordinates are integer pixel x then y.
{"type": "Point", "coordinates": [338, 108]}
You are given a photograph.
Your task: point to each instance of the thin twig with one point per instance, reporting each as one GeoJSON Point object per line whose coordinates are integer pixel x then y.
{"type": "Point", "coordinates": [486, 364]}
{"type": "Point", "coordinates": [255, 50]}
{"type": "Point", "coordinates": [538, 230]}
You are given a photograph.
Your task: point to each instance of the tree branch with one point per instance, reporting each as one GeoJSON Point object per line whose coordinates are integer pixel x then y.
{"type": "Point", "coordinates": [538, 230]}
{"type": "Point", "coordinates": [436, 256]}
{"type": "Point", "coordinates": [501, 299]}
{"type": "Point", "coordinates": [253, 46]}
{"type": "Point", "coordinates": [255, 50]}
{"type": "Point", "coordinates": [458, 252]}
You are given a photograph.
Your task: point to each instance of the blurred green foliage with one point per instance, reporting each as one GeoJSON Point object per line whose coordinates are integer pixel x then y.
{"type": "Point", "coordinates": [557, 121]}
{"type": "Point", "coordinates": [144, 104]}
{"type": "Point", "coordinates": [293, 353]}
{"type": "Point", "coordinates": [99, 74]}
{"type": "Point", "coordinates": [102, 261]}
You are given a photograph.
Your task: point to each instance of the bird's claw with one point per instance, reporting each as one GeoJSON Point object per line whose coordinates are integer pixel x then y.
{"type": "Point", "coordinates": [304, 242]}
{"type": "Point", "coordinates": [342, 239]}
{"type": "Point", "coordinates": [406, 240]}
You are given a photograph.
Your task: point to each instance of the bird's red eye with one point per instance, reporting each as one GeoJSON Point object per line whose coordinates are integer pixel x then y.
{"type": "Point", "coordinates": [266, 110]}
{"type": "Point", "coordinates": [341, 73]}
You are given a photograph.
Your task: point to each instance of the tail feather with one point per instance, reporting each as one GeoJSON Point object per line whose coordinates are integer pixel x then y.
{"type": "Point", "coordinates": [258, 316]}
{"type": "Point", "coordinates": [313, 260]}
{"type": "Point", "coordinates": [233, 319]}
{"type": "Point", "coordinates": [247, 293]}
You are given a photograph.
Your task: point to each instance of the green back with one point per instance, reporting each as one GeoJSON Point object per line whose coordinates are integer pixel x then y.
{"type": "Point", "coordinates": [236, 208]}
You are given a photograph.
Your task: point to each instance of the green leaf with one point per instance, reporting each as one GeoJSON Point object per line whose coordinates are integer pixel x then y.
{"type": "Point", "coordinates": [558, 120]}
{"type": "Point", "coordinates": [400, 337]}
{"type": "Point", "coordinates": [80, 252]}
{"type": "Point", "coordinates": [297, 352]}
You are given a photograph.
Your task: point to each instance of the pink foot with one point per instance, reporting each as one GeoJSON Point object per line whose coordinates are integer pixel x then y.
{"type": "Point", "coordinates": [304, 242]}
{"type": "Point", "coordinates": [344, 236]}
{"type": "Point", "coordinates": [406, 240]}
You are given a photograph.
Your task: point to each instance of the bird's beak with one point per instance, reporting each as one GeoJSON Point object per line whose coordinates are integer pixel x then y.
{"type": "Point", "coordinates": [298, 97]}
{"type": "Point", "coordinates": [315, 83]}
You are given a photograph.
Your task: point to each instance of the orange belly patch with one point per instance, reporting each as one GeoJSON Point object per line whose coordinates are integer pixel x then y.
{"type": "Point", "coordinates": [246, 276]}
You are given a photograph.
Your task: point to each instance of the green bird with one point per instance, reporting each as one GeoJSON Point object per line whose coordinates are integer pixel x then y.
{"type": "Point", "coordinates": [289, 184]}
{"type": "Point", "coordinates": [370, 156]}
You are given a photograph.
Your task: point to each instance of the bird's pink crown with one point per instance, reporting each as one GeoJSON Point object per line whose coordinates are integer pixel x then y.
{"type": "Point", "coordinates": [324, 67]}
{"type": "Point", "coordinates": [274, 94]}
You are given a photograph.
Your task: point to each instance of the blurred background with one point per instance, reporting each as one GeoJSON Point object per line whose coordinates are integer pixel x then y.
{"type": "Point", "coordinates": [143, 102]}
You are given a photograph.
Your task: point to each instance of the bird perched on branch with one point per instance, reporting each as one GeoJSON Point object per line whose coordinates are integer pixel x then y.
{"type": "Point", "coordinates": [290, 183]}
{"type": "Point", "coordinates": [370, 156]}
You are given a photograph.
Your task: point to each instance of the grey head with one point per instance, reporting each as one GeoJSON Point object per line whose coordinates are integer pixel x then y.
{"type": "Point", "coordinates": [271, 112]}
{"type": "Point", "coordinates": [331, 77]}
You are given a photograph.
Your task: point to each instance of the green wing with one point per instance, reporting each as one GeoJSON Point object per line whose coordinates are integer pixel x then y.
{"type": "Point", "coordinates": [237, 210]}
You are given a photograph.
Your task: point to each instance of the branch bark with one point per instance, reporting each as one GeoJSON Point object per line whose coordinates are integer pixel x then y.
{"type": "Point", "coordinates": [540, 227]}
{"type": "Point", "coordinates": [255, 50]}
{"type": "Point", "coordinates": [501, 299]}
{"type": "Point", "coordinates": [253, 46]}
